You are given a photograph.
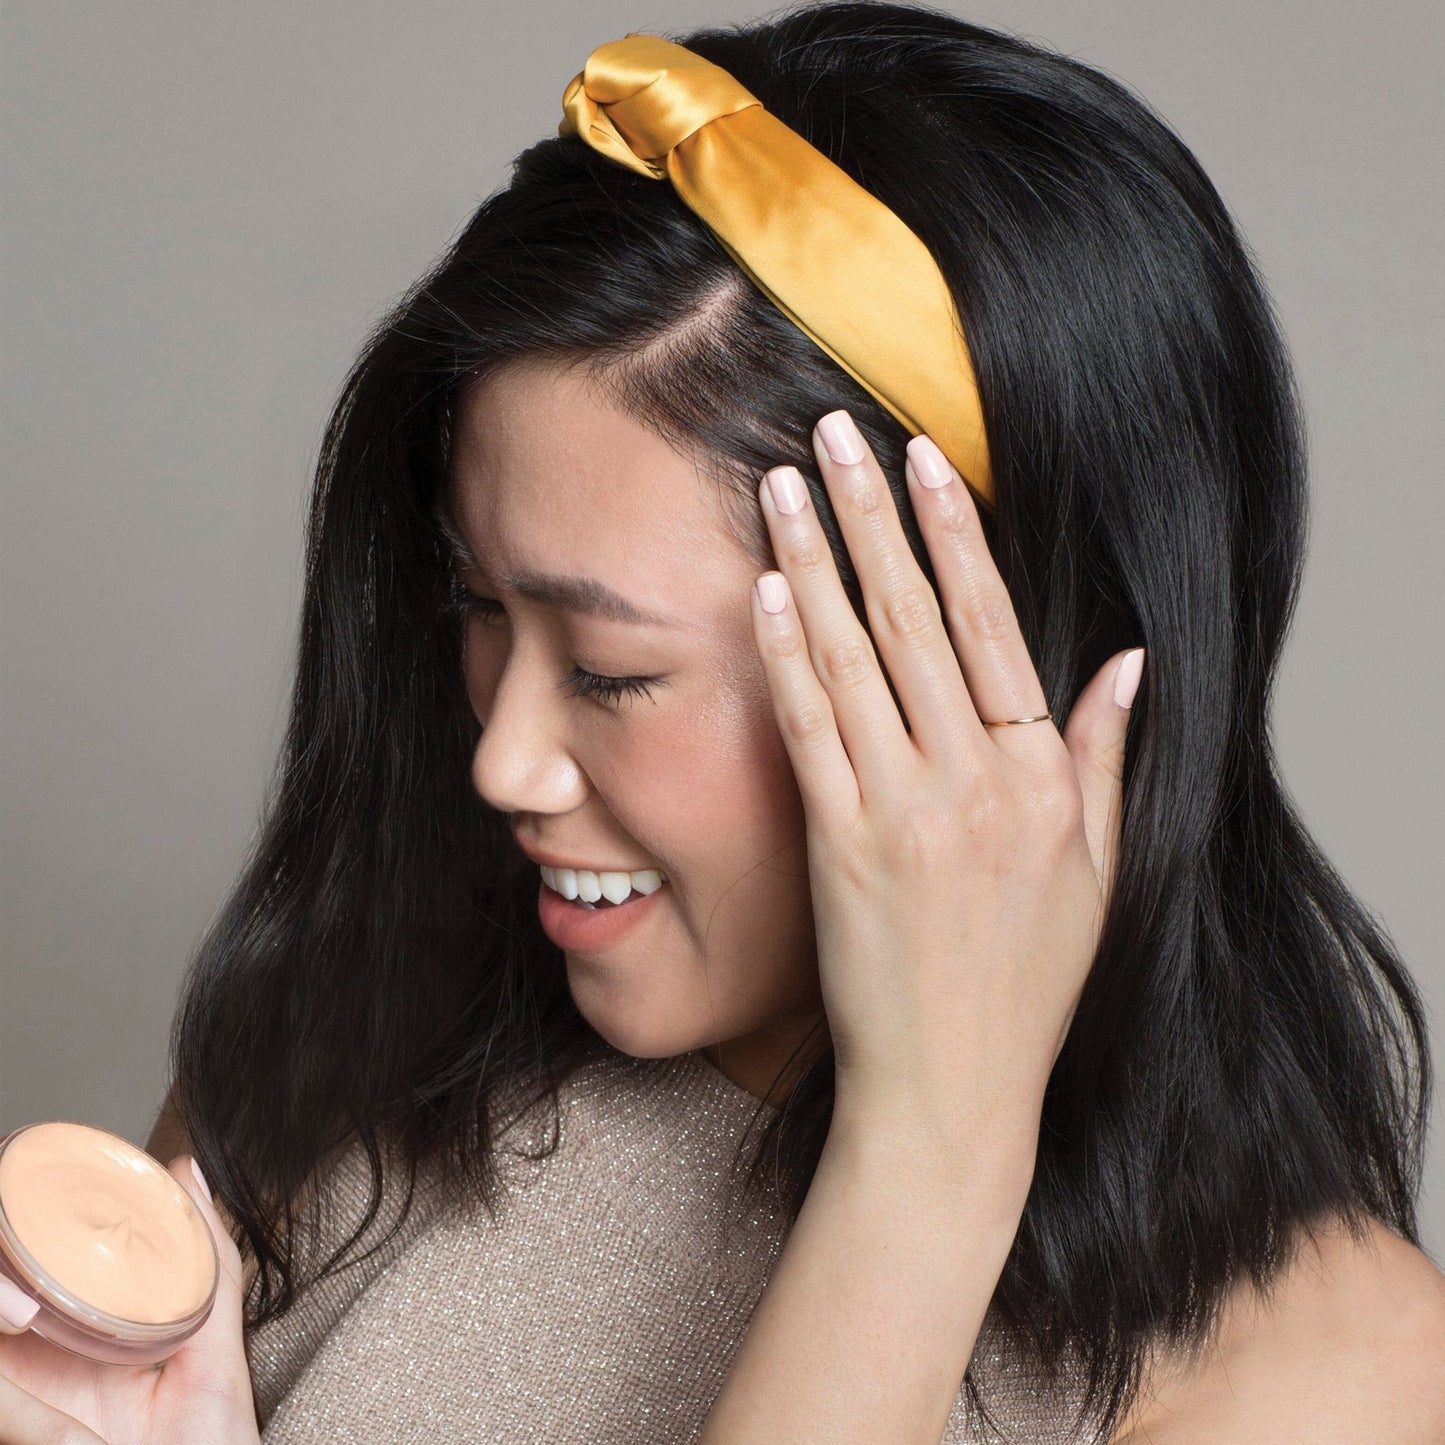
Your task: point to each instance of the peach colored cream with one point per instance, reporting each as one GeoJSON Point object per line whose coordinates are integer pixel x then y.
{"type": "Point", "coordinates": [106, 1222]}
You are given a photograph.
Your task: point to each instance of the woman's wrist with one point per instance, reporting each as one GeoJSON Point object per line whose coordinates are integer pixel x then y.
{"type": "Point", "coordinates": [978, 1154]}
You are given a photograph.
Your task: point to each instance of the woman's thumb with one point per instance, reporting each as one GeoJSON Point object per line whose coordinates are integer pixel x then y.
{"type": "Point", "coordinates": [215, 1355]}
{"type": "Point", "coordinates": [1094, 735]}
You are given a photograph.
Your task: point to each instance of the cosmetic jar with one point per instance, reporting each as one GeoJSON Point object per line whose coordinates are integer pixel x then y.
{"type": "Point", "coordinates": [119, 1257]}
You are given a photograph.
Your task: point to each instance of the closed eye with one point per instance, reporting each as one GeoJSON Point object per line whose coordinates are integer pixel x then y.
{"type": "Point", "coordinates": [608, 690]}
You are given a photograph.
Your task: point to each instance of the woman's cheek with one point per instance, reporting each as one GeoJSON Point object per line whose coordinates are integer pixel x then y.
{"type": "Point", "coordinates": [637, 752]}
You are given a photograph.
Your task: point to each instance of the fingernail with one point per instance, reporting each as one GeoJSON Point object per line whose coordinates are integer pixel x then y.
{"type": "Point", "coordinates": [930, 466]}
{"type": "Point", "coordinates": [786, 485]}
{"type": "Point", "coordinates": [841, 439]}
{"type": "Point", "coordinates": [772, 592]}
{"type": "Point", "coordinates": [1126, 680]}
{"type": "Point", "coordinates": [201, 1180]}
{"type": "Point", "coordinates": [17, 1309]}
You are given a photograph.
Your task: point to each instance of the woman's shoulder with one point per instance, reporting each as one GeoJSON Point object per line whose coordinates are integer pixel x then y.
{"type": "Point", "coordinates": [1347, 1345]}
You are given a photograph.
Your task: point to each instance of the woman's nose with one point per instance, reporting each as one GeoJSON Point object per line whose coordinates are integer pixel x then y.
{"type": "Point", "coordinates": [523, 763]}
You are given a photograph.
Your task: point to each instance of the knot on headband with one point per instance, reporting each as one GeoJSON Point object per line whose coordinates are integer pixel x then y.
{"type": "Point", "coordinates": [638, 99]}
{"type": "Point", "coordinates": [841, 265]}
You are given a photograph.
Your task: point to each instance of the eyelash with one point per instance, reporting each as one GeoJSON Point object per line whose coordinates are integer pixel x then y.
{"type": "Point", "coordinates": [608, 690]}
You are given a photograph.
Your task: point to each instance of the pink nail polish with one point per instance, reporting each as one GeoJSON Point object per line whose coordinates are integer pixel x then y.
{"type": "Point", "coordinates": [201, 1180]}
{"type": "Point", "coordinates": [786, 485]}
{"type": "Point", "coordinates": [930, 466]}
{"type": "Point", "coordinates": [1126, 680]}
{"type": "Point", "coordinates": [772, 592]}
{"type": "Point", "coordinates": [16, 1307]}
{"type": "Point", "coordinates": [841, 438]}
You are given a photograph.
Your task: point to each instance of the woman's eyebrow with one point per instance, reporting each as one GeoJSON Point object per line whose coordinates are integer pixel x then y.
{"type": "Point", "coordinates": [575, 594]}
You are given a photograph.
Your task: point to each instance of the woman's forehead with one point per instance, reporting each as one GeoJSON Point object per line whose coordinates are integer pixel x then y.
{"type": "Point", "coordinates": [560, 493]}
{"type": "Point", "coordinates": [558, 438]}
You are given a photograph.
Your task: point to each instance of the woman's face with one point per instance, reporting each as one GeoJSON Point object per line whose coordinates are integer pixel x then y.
{"type": "Point", "coordinates": [553, 478]}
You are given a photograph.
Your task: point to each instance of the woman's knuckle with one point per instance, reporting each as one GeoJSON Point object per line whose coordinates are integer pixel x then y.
{"type": "Point", "coordinates": [844, 662]}
{"type": "Point", "coordinates": [868, 500]}
{"type": "Point", "coordinates": [802, 555]}
{"type": "Point", "coordinates": [958, 524]}
{"type": "Point", "coordinates": [988, 614]}
{"type": "Point", "coordinates": [807, 724]}
{"type": "Point", "coordinates": [910, 616]}
{"type": "Point", "coordinates": [783, 646]}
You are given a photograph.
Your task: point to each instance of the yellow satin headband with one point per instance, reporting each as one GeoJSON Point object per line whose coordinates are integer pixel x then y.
{"type": "Point", "coordinates": [833, 258]}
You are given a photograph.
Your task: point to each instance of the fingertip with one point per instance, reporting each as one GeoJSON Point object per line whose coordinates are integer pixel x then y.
{"type": "Point", "coordinates": [772, 592]}
{"type": "Point", "coordinates": [1126, 679]}
{"type": "Point", "coordinates": [187, 1173]}
{"type": "Point", "coordinates": [1098, 721]}
{"type": "Point", "coordinates": [201, 1180]}
{"type": "Point", "coordinates": [17, 1309]}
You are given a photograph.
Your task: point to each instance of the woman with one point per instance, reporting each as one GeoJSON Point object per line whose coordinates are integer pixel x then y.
{"type": "Point", "coordinates": [1082, 1072]}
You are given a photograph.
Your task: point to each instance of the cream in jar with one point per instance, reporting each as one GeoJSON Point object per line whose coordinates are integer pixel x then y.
{"type": "Point", "coordinates": [119, 1258]}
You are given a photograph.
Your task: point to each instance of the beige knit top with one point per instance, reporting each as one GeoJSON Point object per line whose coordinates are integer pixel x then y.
{"type": "Point", "coordinates": [604, 1303]}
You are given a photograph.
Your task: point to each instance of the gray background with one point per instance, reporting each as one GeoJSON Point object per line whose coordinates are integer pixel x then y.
{"type": "Point", "coordinates": [205, 206]}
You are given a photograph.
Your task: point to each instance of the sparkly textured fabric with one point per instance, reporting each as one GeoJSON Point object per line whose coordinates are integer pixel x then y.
{"type": "Point", "coordinates": [605, 1303]}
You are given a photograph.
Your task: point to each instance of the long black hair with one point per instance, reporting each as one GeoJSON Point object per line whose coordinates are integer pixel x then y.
{"type": "Point", "coordinates": [1249, 1055]}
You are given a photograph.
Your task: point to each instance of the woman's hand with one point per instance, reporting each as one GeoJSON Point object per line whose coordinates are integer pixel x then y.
{"type": "Point", "coordinates": [959, 873]}
{"type": "Point", "coordinates": [201, 1393]}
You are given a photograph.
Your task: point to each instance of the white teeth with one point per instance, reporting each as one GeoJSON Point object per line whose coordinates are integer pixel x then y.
{"type": "Point", "coordinates": [589, 886]}
{"type": "Point", "coordinates": [615, 886]}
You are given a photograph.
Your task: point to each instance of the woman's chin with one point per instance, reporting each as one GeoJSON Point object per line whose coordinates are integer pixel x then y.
{"type": "Point", "coordinates": [638, 1027]}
